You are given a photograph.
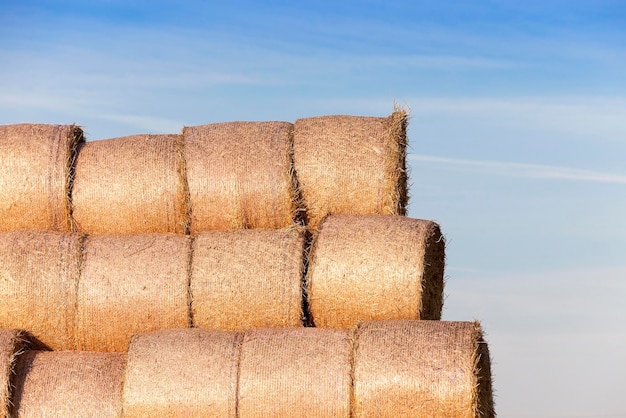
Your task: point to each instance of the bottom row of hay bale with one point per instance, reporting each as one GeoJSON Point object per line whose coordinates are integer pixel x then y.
{"type": "Point", "coordinates": [377, 369]}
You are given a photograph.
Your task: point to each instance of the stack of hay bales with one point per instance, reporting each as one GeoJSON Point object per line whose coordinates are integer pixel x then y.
{"type": "Point", "coordinates": [241, 269]}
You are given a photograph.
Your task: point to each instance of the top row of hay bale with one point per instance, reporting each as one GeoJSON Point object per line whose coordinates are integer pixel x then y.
{"type": "Point", "coordinates": [219, 176]}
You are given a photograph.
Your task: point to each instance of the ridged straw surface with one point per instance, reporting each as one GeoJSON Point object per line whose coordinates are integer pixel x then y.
{"type": "Point", "coordinates": [421, 369]}
{"type": "Point", "coordinates": [36, 174]}
{"type": "Point", "coordinates": [38, 277]}
{"type": "Point", "coordinates": [239, 175]}
{"type": "Point", "coordinates": [396, 368]}
{"type": "Point", "coordinates": [247, 278]}
{"type": "Point", "coordinates": [182, 373]}
{"type": "Point", "coordinates": [131, 284]}
{"type": "Point", "coordinates": [12, 343]}
{"type": "Point", "coordinates": [351, 165]}
{"type": "Point", "coordinates": [298, 372]}
{"type": "Point", "coordinates": [130, 185]}
{"type": "Point", "coordinates": [68, 384]}
{"type": "Point", "coordinates": [372, 267]}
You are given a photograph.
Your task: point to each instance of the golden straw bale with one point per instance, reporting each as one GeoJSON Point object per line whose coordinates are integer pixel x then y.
{"type": "Point", "coordinates": [351, 165]}
{"type": "Point", "coordinates": [130, 284]}
{"type": "Point", "coordinates": [12, 343]}
{"type": "Point", "coordinates": [36, 176]}
{"type": "Point", "coordinates": [38, 278]}
{"type": "Point", "coordinates": [295, 372]}
{"type": "Point", "coordinates": [421, 369]}
{"type": "Point", "coordinates": [239, 175]}
{"type": "Point", "coordinates": [247, 278]}
{"type": "Point", "coordinates": [130, 185]}
{"type": "Point", "coordinates": [367, 267]}
{"type": "Point", "coordinates": [68, 384]}
{"type": "Point", "coordinates": [182, 373]}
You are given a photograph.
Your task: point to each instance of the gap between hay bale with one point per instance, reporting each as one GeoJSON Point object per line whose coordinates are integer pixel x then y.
{"type": "Point", "coordinates": [183, 190]}
{"type": "Point", "coordinates": [307, 319]}
{"type": "Point", "coordinates": [300, 215]}
{"type": "Point", "coordinates": [35, 182]}
{"type": "Point", "coordinates": [375, 267]}
{"type": "Point", "coordinates": [189, 273]}
{"type": "Point", "coordinates": [75, 138]}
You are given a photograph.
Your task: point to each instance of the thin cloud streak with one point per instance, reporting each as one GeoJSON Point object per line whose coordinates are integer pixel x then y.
{"type": "Point", "coordinates": [530, 171]}
{"type": "Point", "coordinates": [598, 117]}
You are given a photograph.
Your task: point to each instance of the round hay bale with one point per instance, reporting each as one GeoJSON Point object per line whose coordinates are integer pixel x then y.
{"type": "Point", "coordinates": [68, 384]}
{"type": "Point", "coordinates": [36, 175]}
{"type": "Point", "coordinates": [247, 278]}
{"type": "Point", "coordinates": [297, 372]}
{"type": "Point", "coordinates": [351, 165]}
{"type": "Point", "coordinates": [12, 343]}
{"type": "Point", "coordinates": [38, 278]}
{"type": "Point", "coordinates": [131, 284]}
{"type": "Point", "coordinates": [182, 373]}
{"type": "Point", "coordinates": [239, 175]}
{"type": "Point", "coordinates": [423, 369]}
{"type": "Point", "coordinates": [368, 267]}
{"type": "Point", "coordinates": [130, 185]}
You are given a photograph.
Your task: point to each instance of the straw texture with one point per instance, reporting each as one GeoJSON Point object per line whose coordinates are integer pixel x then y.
{"type": "Point", "coordinates": [422, 369]}
{"type": "Point", "coordinates": [298, 372]}
{"type": "Point", "coordinates": [130, 284]}
{"type": "Point", "coordinates": [351, 165]}
{"type": "Point", "coordinates": [130, 185]}
{"type": "Point", "coordinates": [68, 384]}
{"type": "Point", "coordinates": [182, 373]}
{"type": "Point", "coordinates": [36, 174]}
{"type": "Point", "coordinates": [365, 267]}
{"type": "Point", "coordinates": [247, 278]}
{"type": "Point", "coordinates": [12, 343]}
{"type": "Point", "coordinates": [38, 277]}
{"type": "Point", "coordinates": [239, 175]}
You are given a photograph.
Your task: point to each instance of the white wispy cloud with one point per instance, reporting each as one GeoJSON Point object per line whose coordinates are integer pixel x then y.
{"type": "Point", "coordinates": [589, 116]}
{"type": "Point", "coordinates": [531, 171]}
{"type": "Point", "coordinates": [84, 110]}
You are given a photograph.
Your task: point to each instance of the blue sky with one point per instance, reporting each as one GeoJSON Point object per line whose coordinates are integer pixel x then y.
{"type": "Point", "coordinates": [517, 140]}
